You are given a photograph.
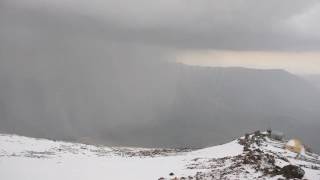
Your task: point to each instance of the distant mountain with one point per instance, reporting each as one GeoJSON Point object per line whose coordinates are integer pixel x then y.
{"type": "Point", "coordinates": [157, 104]}
{"type": "Point", "coordinates": [314, 79]}
{"type": "Point", "coordinates": [213, 105]}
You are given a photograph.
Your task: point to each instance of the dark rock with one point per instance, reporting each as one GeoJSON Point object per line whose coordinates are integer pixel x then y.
{"type": "Point", "coordinates": [269, 131]}
{"type": "Point", "coordinates": [246, 136]}
{"type": "Point", "coordinates": [246, 148]}
{"type": "Point", "coordinates": [292, 171]}
{"type": "Point", "coordinates": [257, 133]}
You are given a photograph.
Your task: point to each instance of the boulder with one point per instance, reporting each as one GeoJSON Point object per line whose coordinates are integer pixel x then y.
{"type": "Point", "coordinates": [292, 171]}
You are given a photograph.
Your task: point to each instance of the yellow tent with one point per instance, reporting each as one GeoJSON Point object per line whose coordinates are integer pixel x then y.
{"type": "Point", "coordinates": [295, 145]}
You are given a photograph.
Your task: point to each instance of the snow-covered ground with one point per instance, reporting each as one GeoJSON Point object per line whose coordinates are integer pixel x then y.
{"type": "Point", "coordinates": [23, 158]}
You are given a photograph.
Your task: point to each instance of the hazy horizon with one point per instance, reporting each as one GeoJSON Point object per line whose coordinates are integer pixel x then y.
{"type": "Point", "coordinates": [294, 62]}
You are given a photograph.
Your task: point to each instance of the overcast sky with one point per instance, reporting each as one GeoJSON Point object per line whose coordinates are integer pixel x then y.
{"type": "Point", "coordinates": [263, 34]}
{"type": "Point", "coordinates": [94, 68]}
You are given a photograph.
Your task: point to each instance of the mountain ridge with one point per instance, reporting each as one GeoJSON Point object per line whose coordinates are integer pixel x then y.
{"type": "Point", "coordinates": [254, 156]}
{"type": "Point", "coordinates": [178, 105]}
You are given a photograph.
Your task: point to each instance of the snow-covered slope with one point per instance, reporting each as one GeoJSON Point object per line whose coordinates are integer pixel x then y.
{"type": "Point", "coordinates": [260, 157]}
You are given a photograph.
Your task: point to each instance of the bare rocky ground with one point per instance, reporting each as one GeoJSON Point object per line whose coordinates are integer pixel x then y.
{"type": "Point", "coordinates": [262, 158]}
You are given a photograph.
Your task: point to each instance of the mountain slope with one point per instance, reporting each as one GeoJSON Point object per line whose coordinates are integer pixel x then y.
{"type": "Point", "coordinates": [313, 78]}
{"type": "Point", "coordinates": [23, 158]}
{"type": "Point", "coordinates": [213, 105]}
{"type": "Point", "coordinates": [154, 104]}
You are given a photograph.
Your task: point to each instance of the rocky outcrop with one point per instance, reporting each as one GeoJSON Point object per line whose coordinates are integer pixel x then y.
{"type": "Point", "coordinates": [292, 171]}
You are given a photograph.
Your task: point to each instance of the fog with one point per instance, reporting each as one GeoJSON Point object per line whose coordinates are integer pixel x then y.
{"type": "Point", "coordinates": [105, 71]}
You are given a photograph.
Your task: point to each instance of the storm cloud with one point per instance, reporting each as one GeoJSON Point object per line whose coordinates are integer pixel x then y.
{"type": "Point", "coordinates": [71, 69]}
{"type": "Point", "coordinates": [213, 24]}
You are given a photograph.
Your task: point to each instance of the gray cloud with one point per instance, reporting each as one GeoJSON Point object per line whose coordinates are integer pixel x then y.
{"type": "Point", "coordinates": [242, 25]}
{"type": "Point", "coordinates": [76, 68]}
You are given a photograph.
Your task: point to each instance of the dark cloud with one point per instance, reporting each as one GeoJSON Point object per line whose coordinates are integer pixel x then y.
{"type": "Point", "coordinates": [242, 25]}
{"type": "Point", "coordinates": [77, 68]}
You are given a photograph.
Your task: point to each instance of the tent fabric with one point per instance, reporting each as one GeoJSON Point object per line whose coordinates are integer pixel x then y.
{"type": "Point", "coordinates": [295, 145]}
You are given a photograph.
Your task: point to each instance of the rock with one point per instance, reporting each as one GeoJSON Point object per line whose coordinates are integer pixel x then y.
{"type": "Point", "coordinates": [246, 136]}
{"type": "Point", "coordinates": [257, 133]}
{"type": "Point", "coordinates": [246, 148]}
{"type": "Point", "coordinates": [292, 171]}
